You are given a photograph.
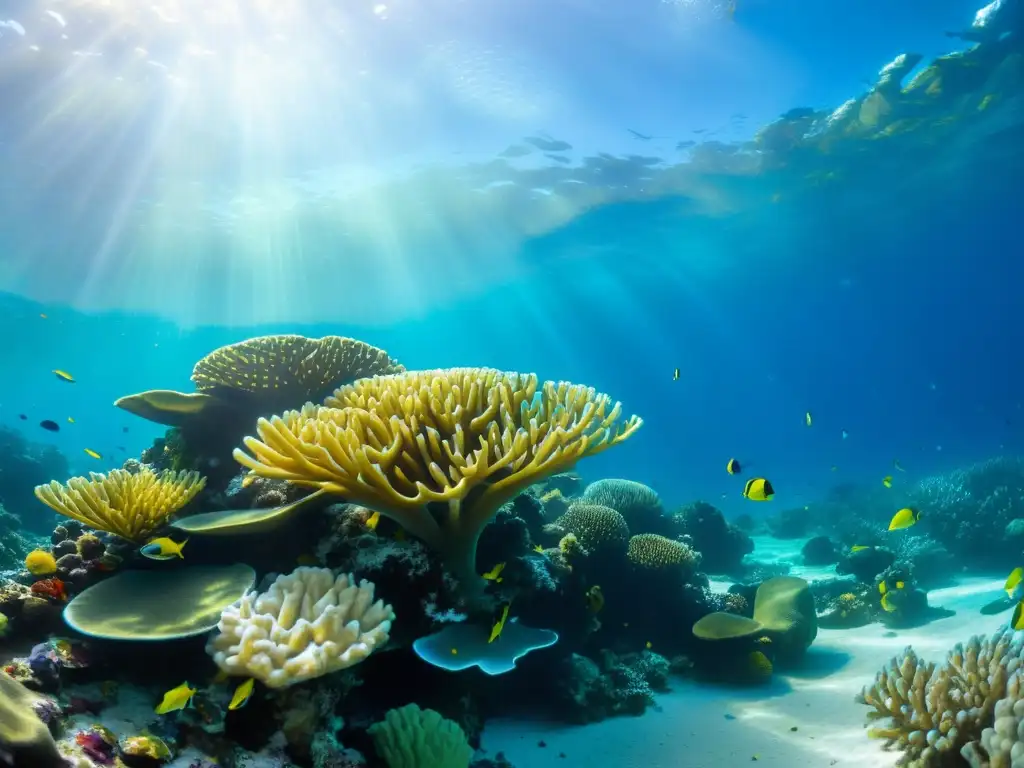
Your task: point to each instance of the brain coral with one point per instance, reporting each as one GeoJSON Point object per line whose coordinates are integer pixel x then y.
{"type": "Point", "coordinates": [597, 528]}
{"type": "Point", "coordinates": [639, 504]}
{"type": "Point", "coordinates": [935, 712]}
{"type": "Point", "coordinates": [309, 623]}
{"type": "Point", "coordinates": [649, 550]}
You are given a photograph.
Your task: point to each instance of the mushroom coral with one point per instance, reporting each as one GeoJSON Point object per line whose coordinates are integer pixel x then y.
{"type": "Point", "coordinates": [438, 451]}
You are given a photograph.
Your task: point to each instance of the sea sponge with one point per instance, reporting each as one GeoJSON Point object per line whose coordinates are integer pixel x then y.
{"type": "Point", "coordinates": [410, 737]}
{"type": "Point", "coordinates": [465, 440]}
{"type": "Point", "coordinates": [597, 528]}
{"type": "Point", "coordinates": [639, 504]}
{"type": "Point", "coordinates": [39, 562]}
{"type": "Point", "coordinates": [309, 623]}
{"type": "Point", "coordinates": [291, 367]}
{"type": "Point", "coordinates": [935, 712]}
{"type": "Point", "coordinates": [654, 552]}
{"type": "Point", "coordinates": [129, 505]}
{"type": "Point", "coordinates": [784, 606]}
{"type": "Point", "coordinates": [24, 738]}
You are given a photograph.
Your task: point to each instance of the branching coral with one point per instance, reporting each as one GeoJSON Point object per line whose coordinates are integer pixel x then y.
{"type": "Point", "coordinates": [465, 440]}
{"type": "Point", "coordinates": [309, 623]}
{"type": "Point", "coordinates": [596, 527]}
{"type": "Point", "coordinates": [934, 712]}
{"type": "Point", "coordinates": [129, 505]}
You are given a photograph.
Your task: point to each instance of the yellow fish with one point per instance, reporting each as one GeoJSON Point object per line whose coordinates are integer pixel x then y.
{"type": "Point", "coordinates": [248, 480]}
{"type": "Point", "coordinates": [63, 375]}
{"type": "Point", "coordinates": [538, 548]}
{"type": "Point", "coordinates": [887, 481]}
{"type": "Point", "coordinates": [859, 547]}
{"type": "Point", "coordinates": [1017, 620]}
{"type": "Point", "coordinates": [887, 605]}
{"type": "Point", "coordinates": [675, 375]}
{"type": "Point", "coordinates": [455, 651]}
{"type": "Point", "coordinates": [42, 315]}
{"type": "Point", "coordinates": [595, 599]}
{"type": "Point", "coordinates": [647, 645]}
{"type": "Point", "coordinates": [1013, 581]}
{"type": "Point", "coordinates": [70, 420]}
{"type": "Point", "coordinates": [733, 467]}
{"type": "Point", "coordinates": [163, 549]}
{"type": "Point", "coordinates": [758, 489]}
{"type": "Point", "coordinates": [882, 587]}
{"type": "Point", "coordinates": [372, 521]}
{"type": "Point", "coordinates": [900, 585]}
{"type": "Point", "coordinates": [807, 419]}
{"type": "Point", "coordinates": [495, 573]}
{"type": "Point", "coordinates": [175, 699]}
{"type": "Point", "coordinates": [499, 625]}
{"type": "Point", "coordinates": [242, 694]}
{"type": "Point", "coordinates": [896, 465]}
{"type": "Point", "coordinates": [905, 518]}
{"type": "Point", "coordinates": [92, 454]}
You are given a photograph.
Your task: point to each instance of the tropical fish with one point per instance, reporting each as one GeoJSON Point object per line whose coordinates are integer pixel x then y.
{"type": "Point", "coordinates": [896, 465]}
{"type": "Point", "coordinates": [163, 548]}
{"type": "Point", "coordinates": [887, 605]}
{"type": "Point", "coordinates": [764, 640]}
{"type": "Point", "coordinates": [499, 625]}
{"type": "Point", "coordinates": [905, 518]}
{"type": "Point", "coordinates": [675, 375]}
{"type": "Point", "coordinates": [92, 454]}
{"type": "Point", "coordinates": [807, 419]}
{"type": "Point", "coordinates": [42, 315]}
{"type": "Point", "coordinates": [648, 645]}
{"type": "Point", "coordinates": [758, 489]}
{"type": "Point", "coordinates": [887, 481]}
{"type": "Point", "coordinates": [63, 376]}
{"type": "Point", "coordinates": [242, 694]}
{"type": "Point", "coordinates": [733, 467]}
{"type": "Point", "coordinates": [900, 585]}
{"type": "Point", "coordinates": [49, 425]}
{"type": "Point", "coordinates": [1013, 581]}
{"type": "Point", "coordinates": [1017, 620]}
{"type": "Point", "coordinates": [175, 699]}
{"type": "Point", "coordinates": [595, 599]}
{"type": "Point", "coordinates": [859, 547]}
{"type": "Point", "coordinates": [495, 573]}
{"type": "Point", "coordinates": [71, 420]}
{"type": "Point", "coordinates": [372, 521]}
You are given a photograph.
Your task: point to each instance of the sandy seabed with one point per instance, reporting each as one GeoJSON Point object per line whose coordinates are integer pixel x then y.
{"type": "Point", "coordinates": [700, 726]}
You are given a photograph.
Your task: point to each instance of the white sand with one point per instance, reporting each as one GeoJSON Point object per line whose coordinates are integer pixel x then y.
{"type": "Point", "coordinates": [689, 729]}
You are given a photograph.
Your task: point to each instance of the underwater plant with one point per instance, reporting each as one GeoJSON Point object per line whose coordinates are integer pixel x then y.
{"type": "Point", "coordinates": [438, 451]}
{"type": "Point", "coordinates": [131, 505]}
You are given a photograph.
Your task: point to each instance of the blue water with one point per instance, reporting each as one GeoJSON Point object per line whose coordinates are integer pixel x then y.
{"type": "Point", "coordinates": [151, 227]}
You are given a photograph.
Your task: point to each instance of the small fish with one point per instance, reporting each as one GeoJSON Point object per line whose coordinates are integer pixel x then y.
{"type": "Point", "coordinates": [887, 481]}
{"type": "Point", "coordinates": [163, 549]}
{"type": "Point", "coordinates": [845, 434]}
{"type": "Point", "coordinates": [455, 651]}
{"type": "Point", "coordinates": [242, 694]}
{"type": "Point", "coordinates": [373, 521]}
{"type": "Point", "coordinates": [887, 605]}
{"type": "Point", "coordinates": [733, 467]}
{"type": "Point", "coordinates": [124, 430]}
{"type": "Point", "coordinates": [495, 573]}
{"type": "Point", "coordinates": [896, 465]}
{"type": "Point", "coordinates": [675, 375]}
{"type": "Point", "coordinates": [905, 518]}
{"type": "Point", "coordinates": [175, 699]}
{"type": "Point", "coordinates": [248, 480]}
{"type": "Point", "coordinates": [764, 640]}
{"type": "Point", "coordinates": [50, 425]}
{"type": "Point", "coordinates": [882, 587]}
{"type": "Point", "coordinates": [648, 645]}
{"type": "Point", "coordinates": [1013, 581]}
{"type": "Point", "coordinates": [807, 419]}
{"type": "Point", "coordinates": [63, 375]}
{"type": "Point", "coordinates": [71, 420]}
{"type": "Point", "coordinates": [1017, 620]}
{"type": "Point", "coordinates": [42, 315]}
{"type": "Point", "coordinates": [900, 585]}
{"type": "Point", "coordinates": [23, 417]}
{"type": "Point", "coordinates": [859, 547]}
{"type": "Point", "coordinates": [92, 454]}
{"type": "Point", "coordinates": [758, 489]}
{"type": "Point", "coordinates": [538, 548]}
{"type": "Point", "coordinates": [595, 599]}
{"type": "Point", "coordinates": [499, 625]}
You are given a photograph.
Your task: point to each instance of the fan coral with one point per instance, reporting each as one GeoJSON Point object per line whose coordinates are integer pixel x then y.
{"type": "Point", "coordinates": [935, 712]}
{"type": "Point", "coordinates": [649, 550]}
{"type": "Point", "coordinates": [639, 504]}
{"type": "Point", "coordinates": [596, 527]}
{"type": "Point", "coordinates": [39, 562]}
{"type": "Point", "coordinates": [468, 438]}
{"type": "Point", "coordinates": [129, 505]}
{"type": "Point", "coordinates": [307, 624]}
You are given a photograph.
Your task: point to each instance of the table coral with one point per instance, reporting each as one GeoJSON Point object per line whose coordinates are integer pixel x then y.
{"type": "Point", "coordinates": [934, 712]}
{"type": "Point", "coordinates": [309, 623]}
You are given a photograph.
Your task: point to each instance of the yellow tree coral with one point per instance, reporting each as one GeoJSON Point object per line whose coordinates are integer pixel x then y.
{"type": "Point", "coordinates": [132, 505]}
{"type": "Point", "coordinates": [438, 451]}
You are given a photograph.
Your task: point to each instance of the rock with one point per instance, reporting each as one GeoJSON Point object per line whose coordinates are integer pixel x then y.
{"type": "Point", "coordinates": [866, 564]}
{"type": "Point", "coordinates": [820, 551]}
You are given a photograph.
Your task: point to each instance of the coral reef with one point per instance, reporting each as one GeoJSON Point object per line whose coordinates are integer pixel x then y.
{"type": "Point", "coordinates": [638, 504]}
{"type": "Point", "coordinates": [588, 691]}
{"type": "Point", "coordinates": [598, 529]}
{"type": "Point", "coordinates": [653, 552]}
{"type": "Point", "coordinates": [721, 544]}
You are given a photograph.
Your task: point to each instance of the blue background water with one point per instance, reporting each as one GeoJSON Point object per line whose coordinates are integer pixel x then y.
{"type": "Point", "coordinates": [894, 319]}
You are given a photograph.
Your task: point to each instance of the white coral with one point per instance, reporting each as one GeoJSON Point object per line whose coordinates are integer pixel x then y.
{"type": "Point", "coordinates": [307, 624]}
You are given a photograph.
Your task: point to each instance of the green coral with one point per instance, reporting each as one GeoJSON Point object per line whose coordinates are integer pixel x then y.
{"type": "Point", "coordinates": [596, 527]}
{"type": "Point", "coordinates": [654, 552]}
{"type": "Point", "coordinates": [410, 737]}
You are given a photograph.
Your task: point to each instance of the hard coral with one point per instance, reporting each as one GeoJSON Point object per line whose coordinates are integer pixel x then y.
{"type": "Point", "coordinates": [638, 504]}
{"type": "Point", "coordinates": [599, 529]}
{"type": "Point", "coordinates": [934, 712]}
{"type": "Point", "coordinates": [654, 552]}
{"type": "Point", "coordinates": [469, 438]}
